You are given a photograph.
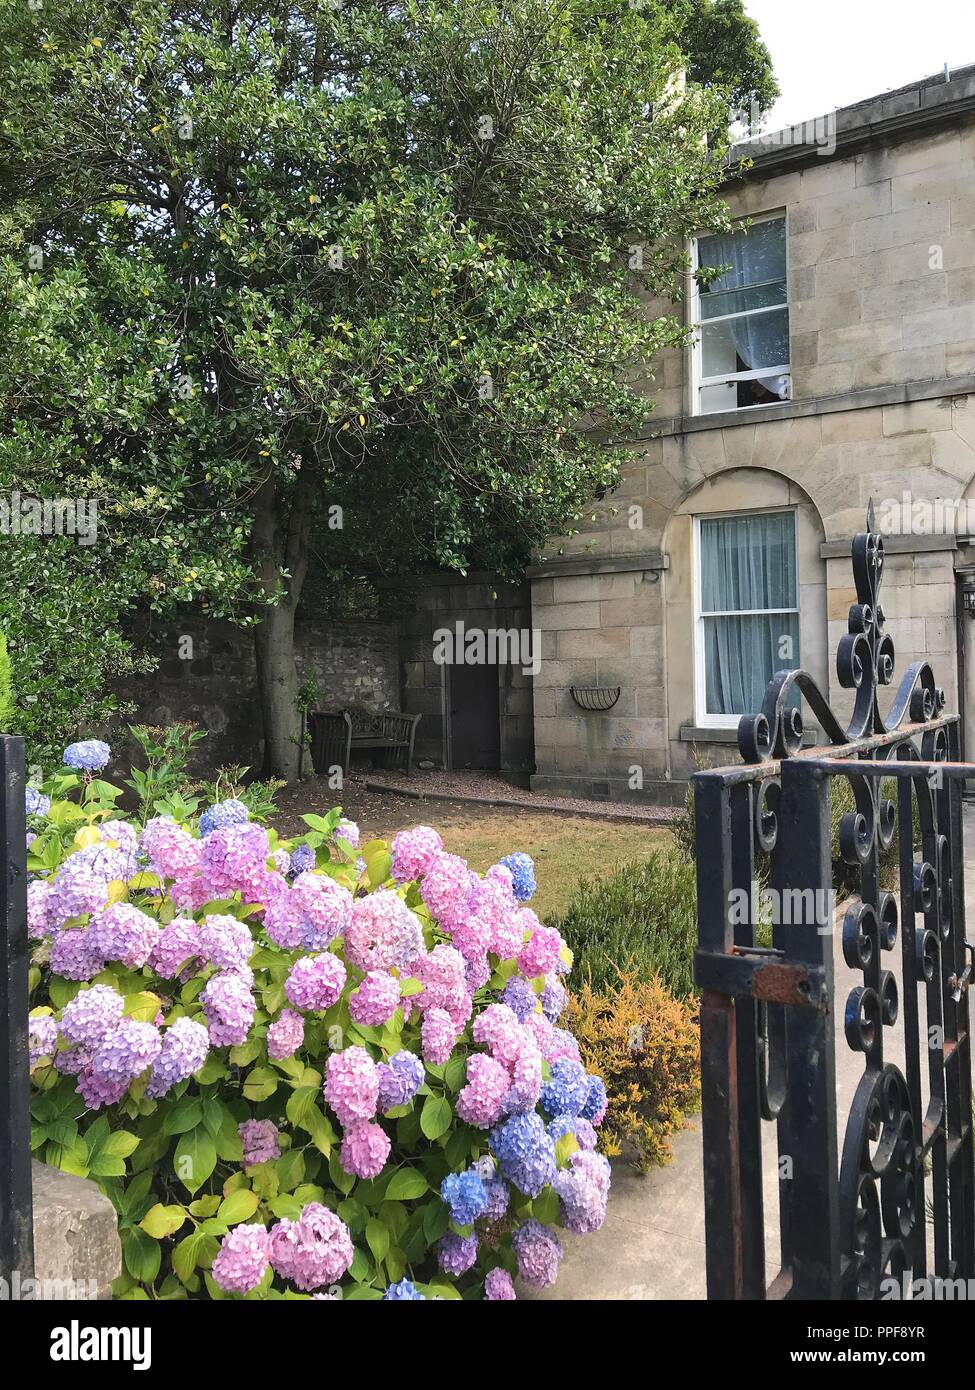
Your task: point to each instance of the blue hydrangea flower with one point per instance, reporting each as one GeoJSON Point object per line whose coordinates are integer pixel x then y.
{"type": "Point", "coordinates": [223, 813]}
{"type": "Point", "coordinates": [595, 1106]}
{"type": "Point", "coordinates": [404, 1292]}
{"type": "Point", "coordinates": [464, 1194]}
{"type": "Point", "coordinates": [525, 1152]}
{"type": "Point", "coordinates": [567, 1091]}
{"type": "Point", "coordinates": [90, 755]}
{"type": "Point", "coordinates": [302, 859]}
{"type": "Point", "coordinates": [37, 804]}
{"type": "Point", "coordinates": [522, 868]}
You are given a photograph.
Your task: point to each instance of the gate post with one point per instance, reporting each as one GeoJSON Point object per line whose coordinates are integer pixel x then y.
{"type": "Point", "coordinates": [16, 1217]}
{"type": "Point", "coordinates": [809, 1198]}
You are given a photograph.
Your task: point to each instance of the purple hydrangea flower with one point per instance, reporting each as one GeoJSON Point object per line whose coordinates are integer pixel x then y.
{"type": "Point", "coordinates": [365, 1149]}
{"type": "Point", "coordinates": [126, 1052]}
{"type": "Point", "coordinates": [455, 1253]}
{"type": "Point", "coordinates": [227, 943]}
{"type": "Point", "coordinates": [185, 1046]}
{"type": "Point", "coordinates": [539, 1253]}
{"type": "Point", "coordinates": [72, 955]}
{"type": "Point", "coordinates": [42, 1037]}
{"type": "Point", "coordinates": [122, 932]}
{"type": "Point", "coordinates": [399, 1080]}
{"type": "Point", "coordinates": [596, 1101]}
{"type": "Point", "coordinates": [376, 999]}
{"type": "Point", "coordinates": [302, 858]}
{"type": "Point", "coordinates": [92, 1015]}
{"type": "Point", "coordinates": [498, 1287]}
{"type": "Point", "coordinates": [520, 998]}
{"type": "Point", "coordinates": [414, 852]}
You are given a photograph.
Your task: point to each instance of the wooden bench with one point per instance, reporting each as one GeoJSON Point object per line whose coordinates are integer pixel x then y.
{"type": "Point", "coordinates": [335, 737]}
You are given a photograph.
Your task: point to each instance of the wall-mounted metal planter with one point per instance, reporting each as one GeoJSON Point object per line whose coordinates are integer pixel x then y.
{"type": "Point", "coordinates": [595, 699]}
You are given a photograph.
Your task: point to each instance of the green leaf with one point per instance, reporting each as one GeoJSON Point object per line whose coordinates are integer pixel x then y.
{"type": "Point", "coordinates": [141, 1254]}
{"type": "Point", "coordinates": [405, 1184]}
{"type": "Point", "coordinates": [377, 1238]}
{"type": "Point", "coordinates": [239, 1206]}
{"type": "Point", "coordinates": [261, 1084]}
{"type": "Point", "coordinates": [120, 1143]}
{"type": "Point", "coordinates": [291, 1170]}
{"type": "Point", "coordinates": [436, 1116]}
{"type": "Point", "coordinates": [160, 1221]}
{"type": "Point", "coordinates": [186, 1114]}
{"type": "Point", "coordinates": [196, 1250]}
{"type": "Point", "coordinates": [195, 1159]}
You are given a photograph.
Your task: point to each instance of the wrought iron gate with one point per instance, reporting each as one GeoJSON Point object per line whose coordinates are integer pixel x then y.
{"type": "Point", "coordinates": [854, 1208]}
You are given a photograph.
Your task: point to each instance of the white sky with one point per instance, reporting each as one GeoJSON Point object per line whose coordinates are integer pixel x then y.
{"type": "Point", "coordinates": [829, 53]}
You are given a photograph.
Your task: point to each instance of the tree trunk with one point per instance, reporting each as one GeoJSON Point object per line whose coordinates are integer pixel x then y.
{"type": "Point", "coordinates": [280, 542]}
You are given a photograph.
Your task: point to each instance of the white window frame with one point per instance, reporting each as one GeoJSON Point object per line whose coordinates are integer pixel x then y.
{"type": "Point", "coordinates": [702, 718]}
{"type": "Point", "coordinates": [698, 379]}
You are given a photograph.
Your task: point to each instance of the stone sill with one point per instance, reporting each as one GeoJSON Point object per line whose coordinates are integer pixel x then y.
{"type": "Point", "coordinates": [694, 733]}
{"type": "Point", "coordinates": [900, 393]}
{"type": "Point", "coordinates": [602, 564]}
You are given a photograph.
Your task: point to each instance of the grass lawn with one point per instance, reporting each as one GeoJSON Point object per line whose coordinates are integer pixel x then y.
{"type": "Point", "coordinates": [564, 848]}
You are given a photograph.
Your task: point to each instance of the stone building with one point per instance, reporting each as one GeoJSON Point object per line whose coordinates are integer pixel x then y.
{"type": "Point", "coordinates": [834, 363]}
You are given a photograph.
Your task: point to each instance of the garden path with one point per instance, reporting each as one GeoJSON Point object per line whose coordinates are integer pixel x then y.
{"type": "Point", "coordinates": [652, 1243]}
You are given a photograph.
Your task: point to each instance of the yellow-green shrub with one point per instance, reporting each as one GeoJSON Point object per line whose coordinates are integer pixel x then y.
{"type": "Point", "coordinates": [645, 1045]}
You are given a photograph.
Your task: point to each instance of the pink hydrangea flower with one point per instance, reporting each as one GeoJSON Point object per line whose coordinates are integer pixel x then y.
{"type": "Point", "coordinates": [229, 1008]}
{"type": "Point", "coordinates": [540, 954]}
{"type": "Point", "coordinates": [323, 907]}
{"type": "Point", "coordinates": [176, 945]}
{"type": "Point", "coordinates": [352, 1085]}
{"type": "Point", "coordinates": [260, 1141]}
{"type": "Point", "coordinates": [365, 1149]}
{"type": "Point", "coordinates": [285, 1035]}
{"type": "Point", "coordinates": [438, 1036]}
{"type": "Point", "coordinates": [234, 859]}
{"type": "Point", "coordinates": [414, 852]}
{"type": "Point", "coordinates": [446, 888]}
{"type": "Point", "coordinates": [499, 1030]}
{"type": "Point", "coordinates": [313, 1251]}
{"type": "Point", "coordinates": [315, 982]}
{"type": "Point", "coordinates": [242, 1260]}
{"type": "Point", "coordinates": [376, 999]}
{"type": "Point", "coordinates": [383, 934]}
{"type": "Point", "coordinates": [479, 1102]}
{"type": "Point", "coordinates": [172, 851]}
{"type": "Point", "coordinates": [442, 974]}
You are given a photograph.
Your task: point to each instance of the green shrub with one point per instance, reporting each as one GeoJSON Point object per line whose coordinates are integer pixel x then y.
{"type": "Point", "coordinates": [645, 1045]}
{"type": "Point", "coordinates": [641, 919]}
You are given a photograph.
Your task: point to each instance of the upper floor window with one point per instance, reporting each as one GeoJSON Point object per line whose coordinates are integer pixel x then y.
{"type": "Point", "coordinates": [741, 353]}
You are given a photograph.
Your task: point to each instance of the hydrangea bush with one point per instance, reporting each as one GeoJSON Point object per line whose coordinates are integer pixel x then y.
{"type": "Point", "coordinates": [306, 1068]}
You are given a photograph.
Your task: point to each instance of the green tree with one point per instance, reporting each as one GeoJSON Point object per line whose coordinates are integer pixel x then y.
{"type": "Point", "coordinates": [354, 278]}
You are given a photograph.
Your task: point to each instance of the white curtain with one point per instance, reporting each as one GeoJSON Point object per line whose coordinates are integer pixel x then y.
{"type": "Point", "coordinates": [747, 563]}
{"type": "Point", "coordinates": [756, 257]}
